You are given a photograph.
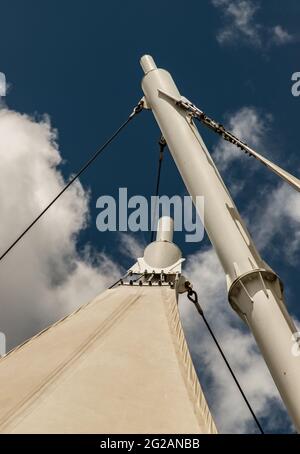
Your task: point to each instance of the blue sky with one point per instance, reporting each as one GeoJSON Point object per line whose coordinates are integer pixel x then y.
{"type": "Point", "coordinates": [78, 62]}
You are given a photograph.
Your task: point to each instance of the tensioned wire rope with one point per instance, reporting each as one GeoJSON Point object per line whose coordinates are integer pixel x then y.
{"type": "Point", "coordinates": [135, 111]}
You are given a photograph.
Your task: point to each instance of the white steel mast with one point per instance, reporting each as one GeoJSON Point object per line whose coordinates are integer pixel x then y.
{"type": "Point", "coordinates": [254, 290]}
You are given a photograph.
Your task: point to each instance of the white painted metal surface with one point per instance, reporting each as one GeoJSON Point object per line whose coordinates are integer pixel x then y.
{"type": "Point", "coordinates": [162, 254]}
{"type": "Point", "coordinates": [227, 135]}
{"type": "Point", "coordinates": [165, 229]}
{"type": "Point", "coordinates": [254, 289]}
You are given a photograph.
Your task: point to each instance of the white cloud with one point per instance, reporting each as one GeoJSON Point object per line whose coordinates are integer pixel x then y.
{"type": "Point", "coordinates": [240, 25]}
{"type": "Point", "coordinates": [130, 246]}
{"type": "Point", "coordinates": [2, 84]}
{"type": "Point", "coordinates": [239, 18]}
{"type": "Point", "coordinates": [281, 36]}
{"type": "Point", "coordinates": [246, 124]}
{"type": "Point", "coordinates": [281, 211]}
{"type": "Point", "coordinates": [281, 207]}
{"type": "Point", "coordinates": [44, 276]}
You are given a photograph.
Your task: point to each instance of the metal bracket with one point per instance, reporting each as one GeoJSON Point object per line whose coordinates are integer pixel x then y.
{"type": "Point", "coordinates": [195, 112]}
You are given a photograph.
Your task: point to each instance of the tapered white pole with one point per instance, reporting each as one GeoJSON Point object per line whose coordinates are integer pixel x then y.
{"type": "Point", "coordinates": [254, 290]}
{"type": "Point", "coordinates": [165, 229]}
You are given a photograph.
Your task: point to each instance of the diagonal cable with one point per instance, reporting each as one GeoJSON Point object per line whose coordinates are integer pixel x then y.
{"type": "Point", "coordinates": [135, 111]}
{"type": "Point", "coordinates": [162, 144]}
{"type": "Point", "coordinates": [193, 297]}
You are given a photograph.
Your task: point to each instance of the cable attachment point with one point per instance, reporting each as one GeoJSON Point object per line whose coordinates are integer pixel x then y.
{"type": "Point", "coordinates": [193, 297]}
{"type": "Point", "coordinates": [137, 109]}
{"type": "Point", "coordinates": [162, 143]}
